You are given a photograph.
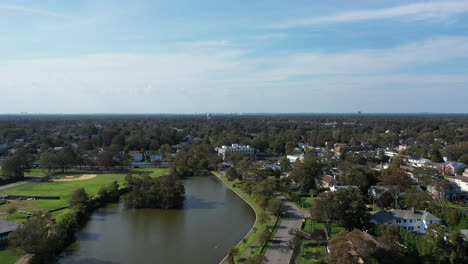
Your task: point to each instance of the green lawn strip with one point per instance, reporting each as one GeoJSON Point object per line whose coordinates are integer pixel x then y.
{"type": "Point", "coordinates": [304, 204]}
{"type": "Point", "coordinates": [9, 256]}
{"type": "Point", "coordinates": [16, 216]}
{"type": "Point", "coordinates": [336, 228]}
{"type": "Point", "coordinates": [275, 229]}
{"type": "Point", "coordinates": [311, 225]}
{"type": "Point", "coordinates": [458, 206]}
{"type": "Point", "coordinates": [251, 237]}
{"type": "Point", "coordinates": [310, 251]}
{"type": "Point", "coordinates": [65, 189]}
{"type": "Point", "coordinates": [153, 172]}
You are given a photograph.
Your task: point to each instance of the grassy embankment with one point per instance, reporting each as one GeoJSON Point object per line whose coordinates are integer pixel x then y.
{"type": "Point", "coordinates": [250, 241]}
{"type": "Point", "coordinates": [62, 189]}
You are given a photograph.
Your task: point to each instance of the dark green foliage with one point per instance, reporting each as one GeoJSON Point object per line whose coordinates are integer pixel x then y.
{"type": "Point", "coordinates": [345, 206]}
{"type": "Point", "coordinates": [165, 192]}
{"type": "Point", "coordinates": [38, 236]}
{"type": "Point", "coordinates": [16, 165]}
{"type": "Point", "coordinates": [79, 198]}
{"type": "Point", "coordinates": [231, 174]}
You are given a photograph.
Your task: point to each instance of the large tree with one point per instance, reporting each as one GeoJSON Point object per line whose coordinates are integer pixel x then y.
{"type": "Point", "coordinates": [16, 165]}
{"type": "Point", "coordinates": [37, 236]}
{"type": "Point", "coordinates": [345, 206]}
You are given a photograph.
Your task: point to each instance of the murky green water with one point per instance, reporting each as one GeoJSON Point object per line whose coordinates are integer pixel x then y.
{"type": "Point", "coordinates": [213, 220]}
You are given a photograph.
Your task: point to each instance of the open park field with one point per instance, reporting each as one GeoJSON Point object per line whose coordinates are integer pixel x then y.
{"type": "Point", "coordinates": [64, 189]}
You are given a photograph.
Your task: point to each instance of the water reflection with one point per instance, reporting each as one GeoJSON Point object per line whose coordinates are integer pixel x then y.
{"type": "Point", "coordinates": [213, 220]}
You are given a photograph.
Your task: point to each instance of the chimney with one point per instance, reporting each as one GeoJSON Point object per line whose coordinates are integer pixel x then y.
{"type": "Point", "coordinates": [412, 209]}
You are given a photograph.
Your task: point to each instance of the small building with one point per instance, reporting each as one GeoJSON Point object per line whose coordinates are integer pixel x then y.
{"type": "Point", "coordinates": [326, 181]}
{"type": "Point", "coordinates": [5, 229]}
{"type": "Point", "coordinates": [418, 162]}
{"type": "Point", "coordinates": [156, 157]}
{"type": "Point", "coordinates": [411, 220]}
{"type": "Point", "coordinates": [390, 153]}
{"type": "Point", "coordinates": [461, 182]}
{"type": "Point", "coordinates": [235, 149]}
{"type": "Point", "coordinates": [136, 156]}
{"type": "Point", "coordinates": [294, 158]}
{"type": "Point", "coordinates": [451, 168]}
{"type": "Point", "coordinates": [338, 147]}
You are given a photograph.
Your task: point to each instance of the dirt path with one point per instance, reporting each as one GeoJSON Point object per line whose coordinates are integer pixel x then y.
{"type": "Point", "coordinates": [19, 202]}
{"type": "Point", "coordinates": [81, 178]}
{"type": "Point", "coordinates": [24, 259]}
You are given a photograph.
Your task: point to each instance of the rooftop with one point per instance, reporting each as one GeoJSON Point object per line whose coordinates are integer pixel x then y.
{"type": "Point", "coordinates": [384, 216]}
{"type": "Point", "coordinates": [7, 227]}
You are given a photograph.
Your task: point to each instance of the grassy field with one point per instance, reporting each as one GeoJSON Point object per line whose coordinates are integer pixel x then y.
{"type": "Point", "coordinates": [310, 251]}
{"type": "Point", "coordinates": [64, 190]}
{"type": "Point", "coordinates": [8, 256]}
{"type": "Point", "coordinates": [251, 240]}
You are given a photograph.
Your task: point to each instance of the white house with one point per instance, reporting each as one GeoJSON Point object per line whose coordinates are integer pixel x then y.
{"type": "Point", "coordinates": [418, 162]}
{"type": "Point", "coordinates": [136, 156]}
{"type": "Point", "coordinates": [294, 158]}
{"type": "Point", "coordinates": [461, 181]}
{"type": "Point", "coordinates": [227, 151]}
{"type": "Point", "coordinates": [156, 157]}
{"type": "Point", "coordinates": [411, 220]}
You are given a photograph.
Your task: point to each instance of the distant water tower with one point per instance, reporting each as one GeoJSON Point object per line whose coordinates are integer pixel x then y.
{"type": "Point", "coordinates": [208, 116]}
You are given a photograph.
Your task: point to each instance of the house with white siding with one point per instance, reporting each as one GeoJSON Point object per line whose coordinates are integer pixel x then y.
{"type": "Point", "coordinates": [411, 220]}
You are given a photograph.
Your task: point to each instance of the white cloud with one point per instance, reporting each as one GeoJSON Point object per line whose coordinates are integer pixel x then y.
{"type": "Point", "coordinates": [30, 10]}
{"type": "Point", "coordinates": [270, 36]}
{"type": "Point", "coordinates": [225, 80]}
{"type": "Point", "coordinates": [416, 11]}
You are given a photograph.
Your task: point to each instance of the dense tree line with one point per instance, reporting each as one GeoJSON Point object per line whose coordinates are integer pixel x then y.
{"type": "Point", "coordinates": [143, 191]}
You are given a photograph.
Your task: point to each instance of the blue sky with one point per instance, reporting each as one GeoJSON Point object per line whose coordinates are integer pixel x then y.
{"type": "Point", "coordinates": [233, 56]}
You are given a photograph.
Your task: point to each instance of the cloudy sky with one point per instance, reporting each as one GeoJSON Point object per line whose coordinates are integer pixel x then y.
{"type": "Point", "coordinates": [102, 56]}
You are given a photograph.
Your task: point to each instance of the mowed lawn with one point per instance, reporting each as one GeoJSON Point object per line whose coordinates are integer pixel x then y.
{"type": "Point", "coordinates": [65, 189]}
{"type": "Point", "coordinates": [9, 256]}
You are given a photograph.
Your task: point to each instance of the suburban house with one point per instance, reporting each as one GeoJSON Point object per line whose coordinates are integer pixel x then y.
{"type": "Point", "coordinates": [156, 157]}
{"type": "Point", "coordinates": [326, 181]}
{"type": "Point", "coordinates": [294, 158]}
{"type": "Point", "coordinates": [418, 162]}
{"type": "Point", "coordinates": [227, 151]}
{"type": "Point", "coordinates": [461, 182]}
{"type": "Point", "coordinates": [136, 156]}
{"type": "Point", "coordinates": [391, 153]}
{"type": "Point", "coordinates": [465, 173]}
{"type": "Point", "coordinates": [411, 220]}
{"type": "Point", "coordinates": [451, 168]}
{"type": "Point", "coordinates": [451, 192]}
{"type": "Point", "coordinates": [338, 147]}
{"type": "Point", "coordinates": [5, 229]}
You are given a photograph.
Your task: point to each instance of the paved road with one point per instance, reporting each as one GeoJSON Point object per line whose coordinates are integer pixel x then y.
{"type": "Point", "coordinates": [278, 252]}
{"type": "Point", "coordinates": [26, 180]}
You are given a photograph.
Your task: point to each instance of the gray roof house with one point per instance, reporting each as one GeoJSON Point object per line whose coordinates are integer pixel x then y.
{"type": "Point", "coordinates": [5, 229]}
{"type": "Point", "coordinates": [411, 220]}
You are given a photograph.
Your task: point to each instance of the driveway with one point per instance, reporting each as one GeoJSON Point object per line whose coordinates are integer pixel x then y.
{"type": "Point", "coordinates": [278, 252]}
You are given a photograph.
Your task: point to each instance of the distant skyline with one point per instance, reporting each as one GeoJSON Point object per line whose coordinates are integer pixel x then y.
{"type": "Point", "coordinates": [268, 56]}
